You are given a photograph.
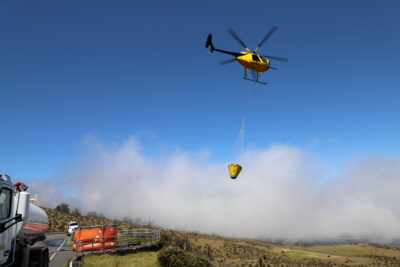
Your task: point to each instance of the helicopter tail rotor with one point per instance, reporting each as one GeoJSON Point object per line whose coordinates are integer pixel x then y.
{"type": "Point", "coordinates": [210, 44]}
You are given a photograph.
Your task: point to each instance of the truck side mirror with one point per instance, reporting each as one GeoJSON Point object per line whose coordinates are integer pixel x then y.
{"type": "Point", "coordinates": [17, 219]}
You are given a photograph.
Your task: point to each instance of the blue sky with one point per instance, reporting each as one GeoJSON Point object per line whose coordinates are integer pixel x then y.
{"type": "Point", "coordinates": [112, 69]}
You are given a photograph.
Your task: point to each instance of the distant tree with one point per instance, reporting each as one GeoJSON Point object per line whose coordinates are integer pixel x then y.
{"type": "Point", "coordinates": [76, 211]}
{"type": "Point", "coordinates": [92, 214]}
{"type": "Point", "coordinates": [63, 207]}
{"type": "Point", "coordinates": [127, 219]}
{"type": "Point", "coordinates": [101, 216]}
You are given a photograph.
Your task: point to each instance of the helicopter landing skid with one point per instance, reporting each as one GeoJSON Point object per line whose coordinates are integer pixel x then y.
{"type": "Point", "coordinates": [255, 81]}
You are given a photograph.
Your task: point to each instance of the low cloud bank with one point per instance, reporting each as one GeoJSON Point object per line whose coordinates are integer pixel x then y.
{"type": "Point", "coordinates": [282, 193]}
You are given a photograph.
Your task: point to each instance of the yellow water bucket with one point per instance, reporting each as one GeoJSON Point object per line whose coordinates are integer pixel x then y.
{"type": "Point", "coordinates": [234, 170]}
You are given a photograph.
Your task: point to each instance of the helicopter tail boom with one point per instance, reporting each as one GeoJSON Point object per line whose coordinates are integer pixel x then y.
{"type": "Point", "coordinates": [209, 43]}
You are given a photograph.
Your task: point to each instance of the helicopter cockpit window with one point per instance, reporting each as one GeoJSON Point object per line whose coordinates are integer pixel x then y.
{"type": "Point", "coordinates": [255, 58]}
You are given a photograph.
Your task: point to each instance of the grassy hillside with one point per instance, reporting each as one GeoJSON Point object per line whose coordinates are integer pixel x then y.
{"type": "Point", "coordinates": [222, 251]}
{"type": "Point", "coordinates": [193, 249]}
{"type": "Point", "coordinates": [58, 221]}
{"type": "Point", "coordinates": [142, 259]}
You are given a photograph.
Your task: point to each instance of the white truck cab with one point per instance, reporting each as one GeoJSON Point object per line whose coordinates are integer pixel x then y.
{"type": "Point", "coordinates": [72, 226]}
{"type": "Point", "coordinates": [7, 208]}
{"type": "Point", "coordinates": [22, 224]}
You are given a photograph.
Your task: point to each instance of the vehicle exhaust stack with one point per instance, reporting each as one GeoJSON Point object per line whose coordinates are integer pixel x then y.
{"type": "Point", "coordinates": [23, 207]}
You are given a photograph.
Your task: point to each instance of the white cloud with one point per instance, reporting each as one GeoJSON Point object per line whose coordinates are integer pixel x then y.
{"type": "Point", "coordinates": [278, 195]}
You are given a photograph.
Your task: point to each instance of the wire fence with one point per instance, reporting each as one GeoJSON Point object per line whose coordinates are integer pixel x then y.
{"type": "Point", "coordinates": [116, 241]}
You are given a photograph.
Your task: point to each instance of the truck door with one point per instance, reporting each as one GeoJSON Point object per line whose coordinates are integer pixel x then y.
{"type": "Point", "coordinates": [5, 213]}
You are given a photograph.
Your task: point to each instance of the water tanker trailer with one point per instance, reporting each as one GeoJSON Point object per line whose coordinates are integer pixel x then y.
{"type": "Point", "coordinates": [22, 224]}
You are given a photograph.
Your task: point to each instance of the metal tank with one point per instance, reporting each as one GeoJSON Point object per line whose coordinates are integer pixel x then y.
{"type": "Point", "coordinates": [37, 222]}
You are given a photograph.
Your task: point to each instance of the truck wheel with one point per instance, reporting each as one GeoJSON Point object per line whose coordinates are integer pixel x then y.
{"type": "Point", "coordinates": [39, 257]}
{"type": "Point", "coordinates": [45, 257]}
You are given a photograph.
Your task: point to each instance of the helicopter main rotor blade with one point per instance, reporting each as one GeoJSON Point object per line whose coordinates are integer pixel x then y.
{"type": "Point", "coordinates": [277, 58]}
{"type": "Point", "coordinates": [266, 37]}
{"type": "Point", "coordinates": [227, 61]}
{"type": "Point", "coordinates": [234, 35]}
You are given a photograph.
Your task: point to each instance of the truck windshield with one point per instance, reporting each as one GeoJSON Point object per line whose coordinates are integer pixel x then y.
{"type": "Point", "coordinates": [73, 224]}
{"type": "Point", "coordinates": [5, 203]}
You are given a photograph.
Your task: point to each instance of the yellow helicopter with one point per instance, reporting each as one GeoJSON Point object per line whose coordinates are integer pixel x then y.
{"type": "Point", "coordinates": [248, 59]}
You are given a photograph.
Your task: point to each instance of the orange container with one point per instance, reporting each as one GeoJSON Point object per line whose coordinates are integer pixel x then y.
{"type": "Point", "coordinates": [93, 239]}
{"type": "Point", "coordinates": [110, 234]}
{"type": "Point", "coordinates": [88, 247]}
{"type": "Point", "coordinates": [89, 235]}
{"type": "Point", "coordinates": [108, 245]}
